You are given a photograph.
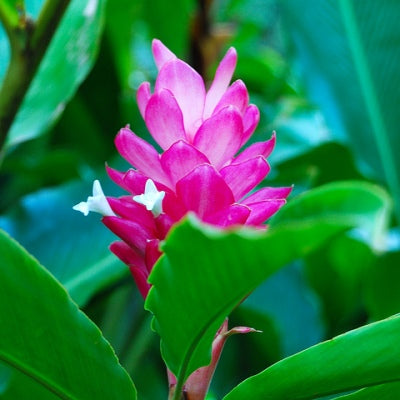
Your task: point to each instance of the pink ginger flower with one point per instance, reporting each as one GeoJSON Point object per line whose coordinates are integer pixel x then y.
{"type": "Point", "coordinates": [201, 169]}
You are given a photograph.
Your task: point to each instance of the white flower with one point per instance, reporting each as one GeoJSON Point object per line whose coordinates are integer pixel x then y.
{"type": "Point", "coordinates": [151, 198]}
{"type": "Point", "coordinates": [96, 203]}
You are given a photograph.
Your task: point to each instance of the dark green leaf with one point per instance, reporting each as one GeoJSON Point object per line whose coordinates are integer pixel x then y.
{"type": "Point", "coordinates": [340, 267]}
{"type": "Point", "coordinates": [364, 357]}
{"type": "Point", "coordinates": [65, 65]}
{"type": "Point", "coordinates": [348, 52]}
{"type": "Point", "coordinates": [382, 286]}
{"type": "Point", "coordinates": [45, 336]}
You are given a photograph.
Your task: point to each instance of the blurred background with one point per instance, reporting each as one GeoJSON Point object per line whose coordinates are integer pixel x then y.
{"type": "Point", "coordinates": [325, 77]}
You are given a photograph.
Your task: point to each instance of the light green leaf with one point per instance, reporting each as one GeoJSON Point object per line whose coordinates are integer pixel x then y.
{"type": "Point", "coordinates": [66, 63]}
{"type": "Point", "coordinates": [206, 272]}
{"type": "Point", "coordinates": [363, 357]}
{"type": "Point", "coordinates": [45, 336]}
{"type": "Point", "coordinates": [348, 51]}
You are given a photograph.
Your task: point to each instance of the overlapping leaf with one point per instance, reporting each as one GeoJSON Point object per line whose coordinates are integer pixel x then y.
{"type": "Point", "coordinates": [44, 336]}
{"type": "Point", "coordinates": [364, 357]}
{"type": "Point", "coordinates": [65, 65]}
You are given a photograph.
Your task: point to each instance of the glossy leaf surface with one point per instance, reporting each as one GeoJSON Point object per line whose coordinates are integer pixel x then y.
{"type": "Point", "coordinates": [64, 66]}
{"type": "Point", "coordinates": [206, 272]}
{"type": "Point", "coordinates": [46, 337]}
{"type": "Point", "coordinates": [351, 71]}
{"type": "Point", "coordinates": [364, 357]}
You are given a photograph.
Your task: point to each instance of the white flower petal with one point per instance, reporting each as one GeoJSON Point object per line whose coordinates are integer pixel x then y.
{"type": "Point", "coordinates": [96, 203]}
{"type": "Point", "coordinates": [151, 198]}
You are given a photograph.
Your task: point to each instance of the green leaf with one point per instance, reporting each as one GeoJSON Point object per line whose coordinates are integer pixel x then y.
{"type": "Point", "coordinates": [371, 203]}
{"type": "Point", "coordinates": [66, 63]}
{"type": "Point", "coordinates": [346, 263]}
{"type": "Point", "coordinates": [348, 51]}
{"type": "Point", "coordinates": [206, 272]}
{"type": "Point", "coordinates": [388, 391]}
{"type": "Point", "coordinates": [382, 286]}
{"type": "Point", "coordinates": [45, 336]}
{"type": "Point", "coordinates": [73, 247]}
{"type": "Point", "coordinates": [364, 357]}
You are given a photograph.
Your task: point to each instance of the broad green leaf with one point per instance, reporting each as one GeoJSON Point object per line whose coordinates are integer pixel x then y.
{"type": "Point", "coordinates": [73, 247]}
{"type": "Point", "coordinates": [21, 386]}
{"type": "Point", "coordinates": [348, 51]}
{"type": "Point", "coordinates": [46, 337]}
{"type": "Point", "coordinates": [65, 65]}
{"type": "Point", "coordinates": [364, 357]}
{"type": "Point", "coordinates": [206, 272]}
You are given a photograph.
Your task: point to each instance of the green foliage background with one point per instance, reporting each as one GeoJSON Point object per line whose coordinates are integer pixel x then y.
{"type": "Point", "coordinates": [325, 77]}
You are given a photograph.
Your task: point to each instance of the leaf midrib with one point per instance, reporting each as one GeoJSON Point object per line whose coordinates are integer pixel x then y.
{"type": "Point", "coordinates": [33, 374]}
{"type": "Point", "coordinates": [374, 109]}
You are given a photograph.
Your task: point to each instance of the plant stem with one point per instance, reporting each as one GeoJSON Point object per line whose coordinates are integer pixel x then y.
{"type": "Point", "coordinates": [177, 393]}
{"type": "Point", "coordinates": [29, 41]}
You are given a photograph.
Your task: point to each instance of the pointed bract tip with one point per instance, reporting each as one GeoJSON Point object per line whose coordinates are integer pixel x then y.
{"type": "Point", "coordinates": [161, 53]}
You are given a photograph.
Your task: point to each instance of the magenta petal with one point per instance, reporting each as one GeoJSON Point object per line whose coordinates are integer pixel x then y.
{"type": "Point", "coordinates": [236, 95]}
{"type": "Point", "coordinates": [140, 154]}
{"type": "Point", "coordinates": [220, 136]}
{"type": "Point", "coordinates": [161, 53]}
{"type": "Point", "coordinates": [235, 214]}
{"type": "Point", "coordinates": [180, 159]}
{"type": "Point", "coordinates": [173, 206]}
{"type": "Point", "coordinates": [256, 149]}
{"type": "Point", "coordinates": [126, 208]}
{"type": "Point", "coordinates": [140, 278]}
{"type": "Point", "coordinates": [268, 193]}
{"type": "Point", "coordinates": [187, 86]}
{"type": "Point", "coordinates": [143, 96]}
{"type": "Point", "coordinates": [153, 253]}
{"type": "Point", "coordinates": [116, 176]}
{"type": "Point", "coordinates": [243, 177]}
{"type": "Point", "coordinates": [251, 119]}
{"type": "Point", "coordinates": [163, 223]}
{"type": "Point", "coordinates": [164, 119]}
{"type": "Point", "coordinates": [204, 191]}
{"type": "Point", "coordinates": [223, 76]}
{"type": "Point", "coordinates": [134, 182]}
{"type": "Point", "coordinates": [262, 210]}
{"type": "Point", "coordinates": [135, 263]}
{"type": "Point", "coordinates": [127, 255]}
{"type": "Point", "coordinates": [133, 233]}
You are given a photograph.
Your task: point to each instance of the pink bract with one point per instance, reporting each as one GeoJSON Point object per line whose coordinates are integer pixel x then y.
{"type": "Point", "coordinates": [201, 168]}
